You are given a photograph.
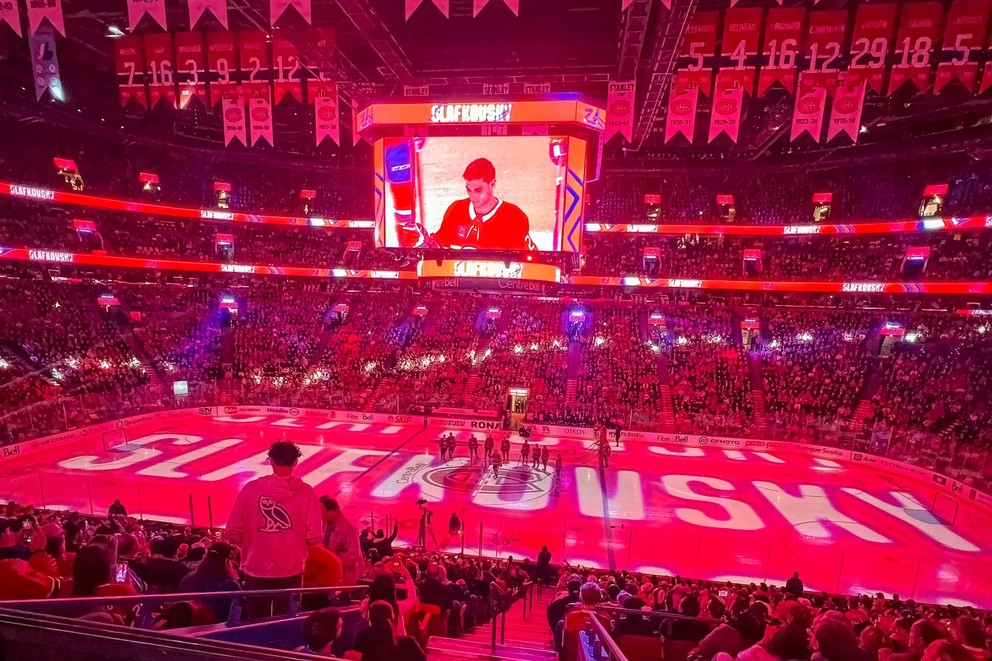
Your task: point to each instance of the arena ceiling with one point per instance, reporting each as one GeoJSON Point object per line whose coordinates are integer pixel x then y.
{"type": "Point", "coordinates": [575, 45]}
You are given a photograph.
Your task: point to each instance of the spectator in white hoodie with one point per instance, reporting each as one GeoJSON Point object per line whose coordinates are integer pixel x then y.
{"type": "Point", "coordinates": [275, 519]}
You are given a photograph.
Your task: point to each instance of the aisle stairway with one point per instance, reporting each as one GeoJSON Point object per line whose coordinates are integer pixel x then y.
{"type": "Point", "coordinates": [865, 409]}
{"type": "Point", "coordinates": [571, 389]}
{"type": "Point", "coordinates": [759, 411]}
{"type": "Point", "coordinates": [525, 639]}
{"type": "Point", "coordinates": [667, 403]}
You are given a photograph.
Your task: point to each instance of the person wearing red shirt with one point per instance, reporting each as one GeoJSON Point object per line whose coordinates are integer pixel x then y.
{"type": "Point", "coordinates": [482, 221]}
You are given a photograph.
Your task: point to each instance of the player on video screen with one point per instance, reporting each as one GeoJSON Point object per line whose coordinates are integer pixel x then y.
{"type": "Point", "coordinates": [482, 221]}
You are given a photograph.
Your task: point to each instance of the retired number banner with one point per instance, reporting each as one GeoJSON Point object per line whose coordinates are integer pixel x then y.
{"type": "Point", "coordinates": [699, 44]}
{"type": "Point", "coordinates": [783, 34]}
{"type": "Point", "coordinates": [871, 43]}
{"type": "Point", "coordinates": [287, 74]}
{"type": "Point", "coordinates": [964, 36]}
{"type": "Point", "coordinates": [222, 62]}
{"type": "Point", "coordinates": [160, 59]}
{"type": "Point", "coordinates": [919, 29]}
{"type": "Point", "coordinates": [131, 70]}
{"type": "Point", "coordinates": [191, 68]}
{"type": "Point", "coordinates": [741, 42]}
{"type": "Point", "coordinates": [826, 37]}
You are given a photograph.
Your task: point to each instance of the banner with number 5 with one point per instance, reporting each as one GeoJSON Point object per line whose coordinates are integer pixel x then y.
{"type": "Point", "coordinates": [964, 36]}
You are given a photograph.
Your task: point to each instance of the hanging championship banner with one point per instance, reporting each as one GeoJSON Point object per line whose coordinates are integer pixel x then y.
{"type": "Point", "coordinates": [260, 114]}
{"type": "Point", "coordinates": [783, 34]}
{"type": "Point", "coordinates": [845, 115]}
{"type": "Point", "coordinates": [964, 36]}
{"type": "Point", "coordinates": [278, 7]}
{"type": "Point", "coordinates": [131, 70]}
{"type": "Point", "coordinates": [682, 101]}
{"type": "Point", "coordinates": [222, 62]}
{"type": "Point", "coordinates": [233, 111]}
{"type": "Point", "coordinates": [138, 8]}
{"type": "Point", "coordinates": [871, 43]}
{"type": "Point", "coordinates": [216, 7]}
{"type": "Point", "coordinates": [325, 111]}
{"type": "Point", "coordinates": [807, 114]}
{"type": "Point", "coordinates": [477, 5]}
{"type": "Point", "coordinates": [620, 110]}
{"type": "Point", "coordinates": [191, 68]}
{"type": "Point", "coordinates": [38, 10]}
{"type": "Point", "coordinates": [741, 40]}
{"type": "Point", "coordinates": [11, 15]}
{"type": "Point", "coordinates": [728, 98]}
{"type": "Point", "coordinates": [254, 58]}
{"type": "Point", "coordinates": [287, 74]}
{"type": "Point", "coordinates": [698, 44]}
{"type": "Point", "coordinates": [826, 37]}
{"type": "Point", "coordinates": [413, 5]}
{"type": "Point", "coordinates": [160, 60]}
{"type": "Point", "coordinates": [919, 29]}
{"type": "Point", "coordinates": [45, 63]}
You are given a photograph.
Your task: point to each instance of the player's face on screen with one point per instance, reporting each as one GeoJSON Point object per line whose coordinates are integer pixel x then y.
{"type": "Point", "coordinates": [480, 192]}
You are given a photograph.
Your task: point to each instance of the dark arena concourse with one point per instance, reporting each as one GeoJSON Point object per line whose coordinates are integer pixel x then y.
{"type": "Point", "coordinates": [496, 330]}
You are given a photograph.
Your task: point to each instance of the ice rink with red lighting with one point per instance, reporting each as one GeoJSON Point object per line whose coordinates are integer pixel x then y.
{"type": "Point", "coordinates": [699, 512]}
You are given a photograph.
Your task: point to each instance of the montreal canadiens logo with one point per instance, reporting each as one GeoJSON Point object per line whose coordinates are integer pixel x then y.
{"type": "Point", "coordinates": [846, 104]}
{"type": "Point", "coordinates": [726, 106]}
{"type": "Point", "coordinates": [620, 107]}
{"type": "Point", "coordinates": [326, 114]}
{"type": "Point", "coordinates": [260, 114]}
{"type": "Point", "coordinates": [233, 114]}
{"type": "Point", "coordinates": [682, 107]}
{"type": "Point", "coordinates": [809, 105]}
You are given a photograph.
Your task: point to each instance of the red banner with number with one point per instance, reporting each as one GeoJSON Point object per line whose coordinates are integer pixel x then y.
{"type": "Point", "coordinates": [253, 53]}
{"type": "Point", "coordinates": [964, 36]}
{"type": "Point", "coordinates": [783, 34]}
{"type": "Point", "coordinates": [919, 30]}
{"type": "Point", "coordinates": [222, 62]}
{"type": "Point", "coordinates": [191, 68]}
{"type": "Point", "coordinates": [698, 51]}
{"type": "Point", "coordinates": [160, 59]}
{"type": "Point", "coordinates": [741, 40]}
{"type": "Point", "coordinates": [871, 43]}
{"type": "Point", "coordinates": [131, 71]}
{"type": "Point", "coordinates": [286, 70]}
{"type": "Point", "coordinates": [826, 38]}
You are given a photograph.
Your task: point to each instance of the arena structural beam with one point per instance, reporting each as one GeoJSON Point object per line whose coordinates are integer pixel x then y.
{"type": "Point", "coordinates": [371, 27]}
{"type": "Point", "coordinates": [635, 30]}
{"type": "Point", "coordinates": [668, 41]}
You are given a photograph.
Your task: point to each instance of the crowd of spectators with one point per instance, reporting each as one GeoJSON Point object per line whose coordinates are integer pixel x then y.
{"type": "Point", "coordinates": [707, 621]}
{"type": "Point", "coordinates": [46, 554]}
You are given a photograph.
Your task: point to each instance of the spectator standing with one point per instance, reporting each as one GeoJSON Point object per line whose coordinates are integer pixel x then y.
{"type": "Point", "coordinates": [341, 539]}
{"type": "Point", "coordinates": [117, 509]}
{"type": "Point", "coordinates": [275, 519]}
{"type": "Point", "coordinates": [794, 586]}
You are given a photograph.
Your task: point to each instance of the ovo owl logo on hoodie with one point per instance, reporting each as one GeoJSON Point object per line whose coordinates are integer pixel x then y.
{"type": "Point", "coordinates": [277, 518]}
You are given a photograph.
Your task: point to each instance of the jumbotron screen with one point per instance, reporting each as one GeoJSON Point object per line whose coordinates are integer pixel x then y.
{"type": "Point", "coordinates": [480, 193]}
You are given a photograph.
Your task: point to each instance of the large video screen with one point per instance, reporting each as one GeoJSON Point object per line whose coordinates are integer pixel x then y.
{"type": "Point", "coordinates": [480, 193]}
